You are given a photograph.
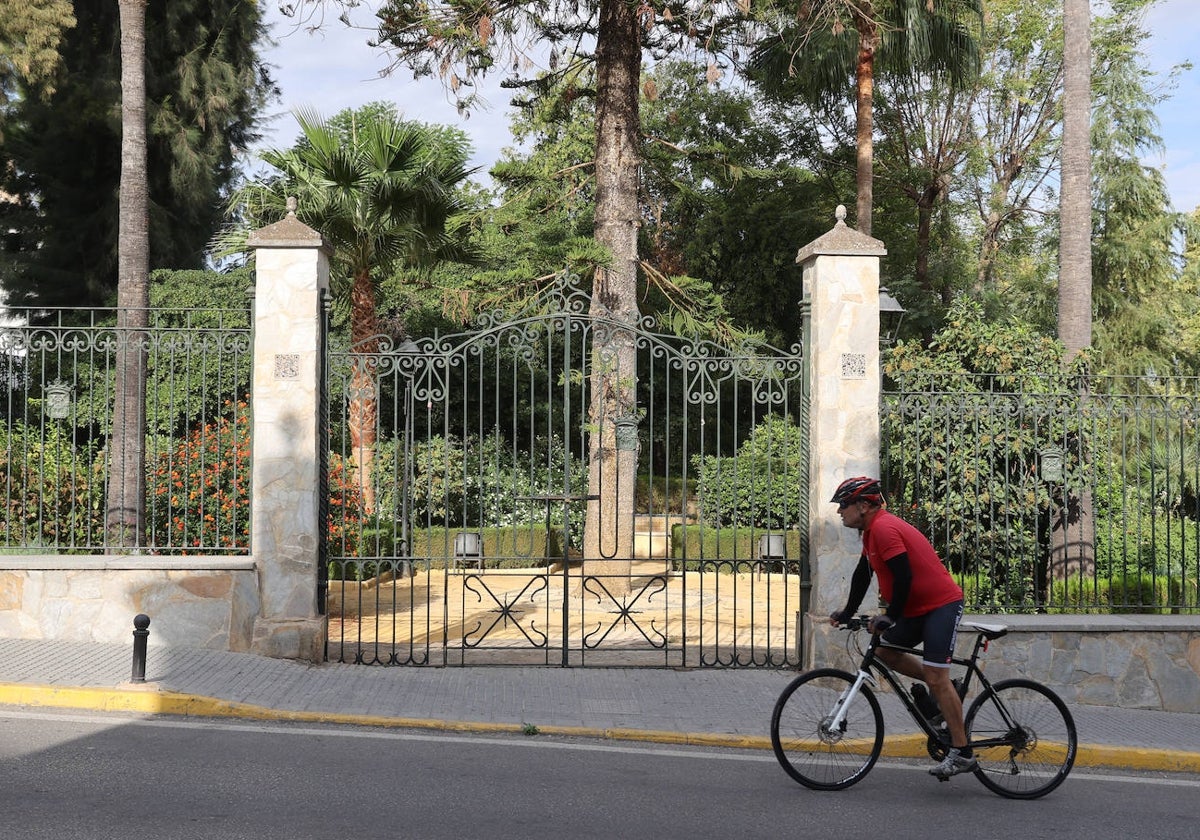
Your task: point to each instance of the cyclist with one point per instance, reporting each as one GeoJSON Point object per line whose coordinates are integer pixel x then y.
{"type": "Point", "coordinates": [924, 605]}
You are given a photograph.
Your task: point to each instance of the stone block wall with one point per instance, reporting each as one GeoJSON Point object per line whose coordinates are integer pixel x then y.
{"type": "Point", "coordinates": [208, 604]}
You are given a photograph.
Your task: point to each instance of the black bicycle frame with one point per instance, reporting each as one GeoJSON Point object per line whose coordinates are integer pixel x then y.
{"type": "Point", "coordinates": [873, 664]}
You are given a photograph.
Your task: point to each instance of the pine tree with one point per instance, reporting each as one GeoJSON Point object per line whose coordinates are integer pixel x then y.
{"type": "Point", "coordinates": [205, 88]}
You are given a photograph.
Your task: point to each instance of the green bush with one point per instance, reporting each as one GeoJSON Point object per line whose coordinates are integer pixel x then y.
{"type": "Point", "coordinates": [762, 485]}
{"type": "Point", "coordinates": [1156, 541]}
{"type": "Point", "coordinates": [53, 489]}
{"type": "Point", "coordinates": [965, 426]}
{"type": "Point", "coordinates": [455, 482]}
{"type": "Point", "coordinates": [1009, 590]}
{"type": "Point", "coordinates": [1144, 594]}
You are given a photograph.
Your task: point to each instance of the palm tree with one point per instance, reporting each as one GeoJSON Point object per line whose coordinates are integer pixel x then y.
{"type": "Point", "coordinates": [1072, 549]}
{"type": "Point", "coordinates": [125, 505]}
{"type": "Point", "coordinates": [383, 193]}
{"type": "Point", "coordinates": [827, 41]}
{"type": "Point", "coordinates": [1075, 214]}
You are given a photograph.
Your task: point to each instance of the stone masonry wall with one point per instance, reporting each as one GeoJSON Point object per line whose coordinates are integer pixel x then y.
{"type": "Point", "coordinates": [97, 598]}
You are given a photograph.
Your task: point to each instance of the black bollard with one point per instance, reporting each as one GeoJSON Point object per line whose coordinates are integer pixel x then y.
{"type": "Point", "coordinates": [141, 632]}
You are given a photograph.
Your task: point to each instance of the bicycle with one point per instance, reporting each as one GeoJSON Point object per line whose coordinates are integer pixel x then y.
{"type": "Point", "coordinates": [827, 725]}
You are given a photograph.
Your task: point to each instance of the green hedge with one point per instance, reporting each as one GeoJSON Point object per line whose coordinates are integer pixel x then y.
{"type": "Point", "coordinates": [1143, 594]}
{"type": "Point", "coordinates": [512, 547]}
{"type": "Point", "coordinates": [692, 544]}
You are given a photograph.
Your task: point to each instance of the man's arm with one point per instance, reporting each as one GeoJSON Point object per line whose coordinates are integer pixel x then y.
{"type": "Point", "coordinates": [858, 589]}
{"type": "Point", "coordinates": [901, 571]}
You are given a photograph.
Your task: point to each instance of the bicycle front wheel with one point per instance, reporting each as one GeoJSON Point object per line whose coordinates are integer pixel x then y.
{"type": "Point", "coordinates": [814, 750]}
{"type": "Point", "coordinates": [1024, 738]}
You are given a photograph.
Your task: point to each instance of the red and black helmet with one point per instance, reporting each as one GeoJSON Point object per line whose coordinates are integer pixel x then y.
{"type": "Point", "coordinates": [858, 489]}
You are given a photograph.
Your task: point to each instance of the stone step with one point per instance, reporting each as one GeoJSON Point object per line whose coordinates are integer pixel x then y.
{"type": "Point", "coordinates": [658, 522]}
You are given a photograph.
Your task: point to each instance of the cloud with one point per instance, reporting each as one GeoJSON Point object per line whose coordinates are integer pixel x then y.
{"type": "Point", "coordinates": [334, 68]}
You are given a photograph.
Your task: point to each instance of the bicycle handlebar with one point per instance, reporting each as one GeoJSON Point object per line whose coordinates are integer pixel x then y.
{"type": "Point", "coordinates": [858, 622]}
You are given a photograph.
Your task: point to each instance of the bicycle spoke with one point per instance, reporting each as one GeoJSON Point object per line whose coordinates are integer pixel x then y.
{"type": "Point", "coordinates": [1024, 738]}
{"type": "Point", "coordinates": [813, 749]}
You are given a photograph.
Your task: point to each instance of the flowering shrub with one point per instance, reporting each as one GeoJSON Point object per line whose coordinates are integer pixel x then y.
{"type": "Point", "coordinates": [198, 492]}
{"type": "Point", "coordinates": [345, 517]}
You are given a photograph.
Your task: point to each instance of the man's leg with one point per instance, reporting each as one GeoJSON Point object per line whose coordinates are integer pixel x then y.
{"type": "Point", "coordinates": [942, 689]}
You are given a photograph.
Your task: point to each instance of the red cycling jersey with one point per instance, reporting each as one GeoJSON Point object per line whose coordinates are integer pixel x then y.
{"type": "Point", "coordinates": [888, 536]}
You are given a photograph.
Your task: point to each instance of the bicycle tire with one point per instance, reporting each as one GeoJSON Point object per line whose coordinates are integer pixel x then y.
{"type": "Point", "coordinates": [1038, 752]}
{"type": "Point", "coordinates": [812, 754]}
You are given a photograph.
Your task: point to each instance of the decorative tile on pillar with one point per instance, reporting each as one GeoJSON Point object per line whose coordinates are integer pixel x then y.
{"type": "Point", "coordinates": [854, 366]}
{"type": "Point", "coordinates": [287, 366]}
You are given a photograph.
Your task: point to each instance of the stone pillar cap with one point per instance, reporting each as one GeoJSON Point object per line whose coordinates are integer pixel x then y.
{"type": "Point", "coordinates": [842, 241]}
{"type": "Point", "coordinates": [288, 232]}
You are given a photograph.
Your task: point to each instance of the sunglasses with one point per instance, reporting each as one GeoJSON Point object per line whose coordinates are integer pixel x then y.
{"type": "Point", "coordinates": [843, 505]}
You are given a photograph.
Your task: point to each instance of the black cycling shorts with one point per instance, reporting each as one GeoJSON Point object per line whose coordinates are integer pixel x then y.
{"type": "Point", "coordinates": [936, 632]}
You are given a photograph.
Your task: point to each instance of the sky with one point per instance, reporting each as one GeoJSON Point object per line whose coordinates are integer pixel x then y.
{"type": "Point", "coordinates": [334, 69]}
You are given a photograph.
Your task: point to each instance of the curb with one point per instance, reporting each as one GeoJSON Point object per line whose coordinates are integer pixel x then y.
{"type": "Point", "coordinates": [149, 699]}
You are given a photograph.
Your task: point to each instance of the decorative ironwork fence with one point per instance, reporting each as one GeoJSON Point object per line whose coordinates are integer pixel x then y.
{"type": "Point", "coordinates": [1049, 494]}
{"type": "Point", "coordinates": [460, 487]}
{"type": "Point", "coordinates": [56, 414]}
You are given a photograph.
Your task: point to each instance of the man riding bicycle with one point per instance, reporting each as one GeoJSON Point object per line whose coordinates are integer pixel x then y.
{"type": "Point", "coordinates": [924, 605]}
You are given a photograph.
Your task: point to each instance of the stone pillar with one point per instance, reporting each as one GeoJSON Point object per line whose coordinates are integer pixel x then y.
{"type": "Point", "coordinates": [291, 279]}
{"type": "Point", "coordinates": [841, 288]}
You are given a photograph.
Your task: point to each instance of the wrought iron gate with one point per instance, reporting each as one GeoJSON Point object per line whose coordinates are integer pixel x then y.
{"type": "Point", "coordinates": [466, 469]}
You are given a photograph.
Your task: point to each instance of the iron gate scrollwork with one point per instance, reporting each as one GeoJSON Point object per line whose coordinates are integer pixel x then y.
{"type": "Point", "coordinates": [462, 536]}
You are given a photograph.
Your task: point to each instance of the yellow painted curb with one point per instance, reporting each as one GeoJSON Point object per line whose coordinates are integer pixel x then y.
{"type": "Point", "coordinates": [149, 699]}
{"type": "Point", "coordinates": [1137, 758]}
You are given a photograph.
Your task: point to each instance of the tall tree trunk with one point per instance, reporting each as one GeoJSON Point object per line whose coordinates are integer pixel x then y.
{"type": "Point", "coordinates": [612, 470]}
{"type": "Point", "coordinates": [868, 43]}
{"type": "Point", "coordinates": [926, 201]}
{"type": "Point", "coordinates": [1075, 236]}
{"type": "Point", "coordinates": [125, 504]}
{"type": "Point", "coordinates": [364, 398]}
{"type": "Point", "coordinates": [1072, 540]}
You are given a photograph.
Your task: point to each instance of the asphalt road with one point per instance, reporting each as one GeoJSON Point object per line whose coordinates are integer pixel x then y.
{"type": "Point", "coordinates": [95, 776]}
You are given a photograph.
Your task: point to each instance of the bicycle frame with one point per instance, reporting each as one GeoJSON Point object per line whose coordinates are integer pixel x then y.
{"type": "Point", "coordinates": [871, 664]}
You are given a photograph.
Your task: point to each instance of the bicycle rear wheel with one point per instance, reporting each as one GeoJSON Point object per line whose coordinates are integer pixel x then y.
{"type": "Point", "coordinates": [811, 750]}
{"type": "Point", "coordinates": [1024, 738]}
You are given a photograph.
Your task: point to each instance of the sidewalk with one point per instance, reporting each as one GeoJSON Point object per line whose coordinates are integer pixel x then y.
{"type": "Point", "coordinates": [704, 707]}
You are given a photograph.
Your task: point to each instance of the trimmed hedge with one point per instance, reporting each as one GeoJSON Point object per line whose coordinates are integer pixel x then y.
{"type": "Point", "coordinates": [1144, 594]}
{"type": "Point", "coordinates": [693, 545]}
{"type": "Point", "coordinates": [512, 547]}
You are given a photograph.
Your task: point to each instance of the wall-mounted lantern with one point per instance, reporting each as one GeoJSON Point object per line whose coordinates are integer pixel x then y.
{"type": "Point", "coordinates": [891, 313]}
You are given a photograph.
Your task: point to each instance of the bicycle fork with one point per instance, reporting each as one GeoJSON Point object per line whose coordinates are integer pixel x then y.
{"type": "Point", "coordinates": [835, 721]}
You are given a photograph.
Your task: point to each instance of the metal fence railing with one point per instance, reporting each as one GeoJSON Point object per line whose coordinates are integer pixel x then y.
{"type": "Point", "coordinates": [57, 372]}
{"type": "Point", "coordinates": [1047, 494]}
{"type": "Point", "coordinates": [502, 434]}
